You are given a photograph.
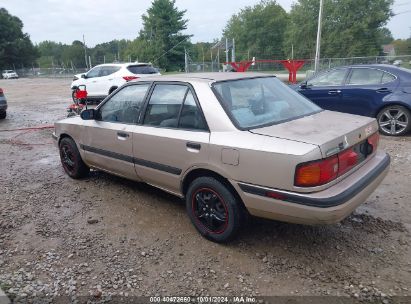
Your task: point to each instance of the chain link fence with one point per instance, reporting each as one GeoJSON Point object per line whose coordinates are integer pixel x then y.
{"type": "Point", "coordinates": [267, 67]}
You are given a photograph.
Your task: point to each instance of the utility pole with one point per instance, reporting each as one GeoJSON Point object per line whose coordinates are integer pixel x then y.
{"type": "Point", "coordinates": [317, 49]}
{"type": "Point", "coordinates": [185, 60]}
{"type": "Point", "coordinates": [85, 51]}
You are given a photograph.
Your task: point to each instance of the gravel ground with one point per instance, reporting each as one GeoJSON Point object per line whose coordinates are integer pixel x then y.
{"type": "Point", "coordinates": [105, 237]}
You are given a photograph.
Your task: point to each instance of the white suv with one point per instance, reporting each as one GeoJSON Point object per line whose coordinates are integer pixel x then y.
{"type": "Point", "coordinates": [103, 79]}
{"type": "Point", "coordinates": [9, 74]}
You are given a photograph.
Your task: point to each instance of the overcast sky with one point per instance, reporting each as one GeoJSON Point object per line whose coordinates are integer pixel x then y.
{"type": "Point", "coordinates": [105, 20]}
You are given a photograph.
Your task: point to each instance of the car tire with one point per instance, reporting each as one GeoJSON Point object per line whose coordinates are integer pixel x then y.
{"type": "Point", "coordinates": [3, 115]}
{"type": "Point", "coordinates": [71, 160]}
{"type": "Point", "coordinates": [394, 120]}
{"type": "Point", "coordinates": [213, 209]}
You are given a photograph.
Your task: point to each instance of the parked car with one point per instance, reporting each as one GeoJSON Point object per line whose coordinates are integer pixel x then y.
{"type": "Point", "coordinates": [230, 144]}
{"type": "Point", "coordinates": [104, 79]}
{"type": "Point", "coordinates": [397, 62]}
{"type": "Point", "coordinates": [375, 90]}
{"type": "Point", "coordinates": [3, 105]}
{"type": "Point", "coordinates": [9, 74]}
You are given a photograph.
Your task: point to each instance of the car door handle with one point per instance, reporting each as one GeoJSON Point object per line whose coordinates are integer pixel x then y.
{"type": "Point", "coordinates": [122, 135]}
{"type": "Point", "coordinates": [334, 92]}
{"type": "Point", "coordinates": [193, 145]}
{"type": "Point", "coordinates": [384, 90]}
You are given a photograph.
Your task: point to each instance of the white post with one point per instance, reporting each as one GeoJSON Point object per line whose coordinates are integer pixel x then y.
{"type": "Point", "coordinates": [85, 51]}
{"type": "Point", "coordinates": [233, 52]}
{"type": "Point", "coordinates": [317, 49]}
{"type": "Point", "coordinates": [89, 62]}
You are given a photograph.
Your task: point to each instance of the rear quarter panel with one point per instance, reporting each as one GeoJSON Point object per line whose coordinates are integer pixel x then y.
{"type": "Point", "coordinates": [257, 159]}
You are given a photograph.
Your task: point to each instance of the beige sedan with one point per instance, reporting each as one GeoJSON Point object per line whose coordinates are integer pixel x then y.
{"type": "Point", "coordinates": [231, 144]}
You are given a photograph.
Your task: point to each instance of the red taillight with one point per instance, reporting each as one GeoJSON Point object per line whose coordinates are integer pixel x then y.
{"type": "Point", "coordinates": [1, 91]}
{"type": "Point", "coordinates": [373, 140]}
{"type": "Point", "coordinates": [317, 173]}
{"type": "Point", "coordinates": [323, 171]}
{"type": "Point", "coordinates": [129, 78]}
{"type": "Point", "coordinates": [347, 160]}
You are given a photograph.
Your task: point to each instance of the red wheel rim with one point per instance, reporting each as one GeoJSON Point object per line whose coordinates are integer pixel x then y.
{"type": "Point", "coordinates": [209, 210]}
{"type": "Point", "coordinates": [68, 158]}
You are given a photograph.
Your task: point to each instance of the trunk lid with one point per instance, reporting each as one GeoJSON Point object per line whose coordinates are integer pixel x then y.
{"type": "Point", "coordinates": [330, 131]}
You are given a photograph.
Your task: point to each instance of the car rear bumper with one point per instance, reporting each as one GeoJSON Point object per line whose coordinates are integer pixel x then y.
{"type": "Point", "coordinates": [324, 207]}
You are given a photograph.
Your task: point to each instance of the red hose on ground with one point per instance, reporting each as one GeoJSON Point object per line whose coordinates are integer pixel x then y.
{"type": "Point", "coordinates": [30, 128]}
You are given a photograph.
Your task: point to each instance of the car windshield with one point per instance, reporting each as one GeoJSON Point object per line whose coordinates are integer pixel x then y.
{"type": "Point", "coordinates": [258, 102]}
{"type": "Point", "coordinates": [142, 69]}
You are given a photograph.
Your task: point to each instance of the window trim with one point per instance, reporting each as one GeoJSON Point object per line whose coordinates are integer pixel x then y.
{"type": "Point", "coordinates": [189, 88]}
{"type": "Point", "coordinates": [108, 98]}
{"type": "Point", "coordinates": [370, 68]}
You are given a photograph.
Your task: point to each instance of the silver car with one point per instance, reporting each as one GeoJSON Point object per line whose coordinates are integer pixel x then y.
{"type": "Point", "coordinates": [230, 144]}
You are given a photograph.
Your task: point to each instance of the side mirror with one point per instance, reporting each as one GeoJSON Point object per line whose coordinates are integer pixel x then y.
{"type": "Point", "coordinates": [83, 76]}
{"type": "Point", "coordinates": [88, 114]}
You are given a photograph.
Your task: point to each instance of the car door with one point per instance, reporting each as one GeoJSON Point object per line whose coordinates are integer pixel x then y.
{"type": "Point", "coordinates": [108, 140]}
{"type": "Point", "coordinates": [172, 136]}
{"type": "Point", "coordinates": [90, 81]}
{"type": "Point", "coordinates": [365, 89]}
{"type": "Point", "coordinates": [325, 88]}
{"type": "Point", "coordinates": [105, 80]}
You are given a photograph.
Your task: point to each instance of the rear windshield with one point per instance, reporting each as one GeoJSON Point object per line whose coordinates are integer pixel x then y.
{"type": "Point", "coordinates": [257, 102]}
{"type": "Point", "coordinates": [142, 69]}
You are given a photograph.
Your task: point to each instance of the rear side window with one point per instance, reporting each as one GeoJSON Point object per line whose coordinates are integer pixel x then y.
{"type": "Point", "coordinates": [365, 76]}
{"type": "Point", "coordinates": [142, 69]}
{"type": "Point", "coordinates": [387, 77]}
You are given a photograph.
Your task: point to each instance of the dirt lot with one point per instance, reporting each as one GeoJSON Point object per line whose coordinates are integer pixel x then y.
{"type": "Point", "coordinates": [105, 236]}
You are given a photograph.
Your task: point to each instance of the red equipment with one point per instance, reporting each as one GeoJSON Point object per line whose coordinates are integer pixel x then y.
{"type": "Point", "coordinates": [291, 65]}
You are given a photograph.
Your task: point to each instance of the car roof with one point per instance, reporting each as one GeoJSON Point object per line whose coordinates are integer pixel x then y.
{"type": "Point", "coordinates": [398, 71]}
{"type": "Point", "coordinates": [121, 64]}
{"type": "Point", "coordinates": [206, 77]}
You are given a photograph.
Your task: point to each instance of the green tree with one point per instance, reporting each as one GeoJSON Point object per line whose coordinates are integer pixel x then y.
{"type": "Point", "coordinates": [402, 46]}
{"type": "Point", "coordinates": [349, 27]}
{"type": "Point", "coordinates": [385, 36]}
{"type": "Point", "coordinates": [258, 30]}
{"type": "Point", "coordinates": [161, 40]}
{"type": "Point", "coordinates": [15, 46]}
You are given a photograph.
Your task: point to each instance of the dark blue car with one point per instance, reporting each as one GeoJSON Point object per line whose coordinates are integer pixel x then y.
{"type": "Point", "coordinates": [375, 90]}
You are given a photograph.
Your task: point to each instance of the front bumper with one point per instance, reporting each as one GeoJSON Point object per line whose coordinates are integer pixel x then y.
{"type": "Point", "coordinates": [324, 207]}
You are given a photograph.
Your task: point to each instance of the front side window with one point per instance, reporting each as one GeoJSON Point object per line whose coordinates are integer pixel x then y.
{"type": "Point", "coordinates": [257, 102]}
{"type": "Point", "coordinates": [330, 78]}
{"type": "Point", "coordinates": [364, 76]}
{"type": "Point", "coordinates": [94, 72]}
{"type": "Point", "coordinates": [125, 105]}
